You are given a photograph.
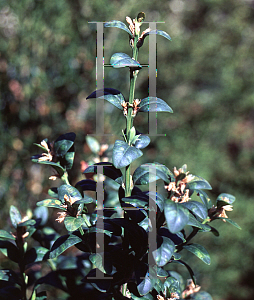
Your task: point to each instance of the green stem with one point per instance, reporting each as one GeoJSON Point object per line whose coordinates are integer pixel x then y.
{"type": "Point", "coordinates": [129, 118]}
{"type": "Point", "coordinates": [124, 289]}
{"type": "Point", "coordinates": [65, 178]}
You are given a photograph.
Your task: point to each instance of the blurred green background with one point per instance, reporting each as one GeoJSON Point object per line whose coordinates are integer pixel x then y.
{"type": "Point", "coordinates": [47, 69]}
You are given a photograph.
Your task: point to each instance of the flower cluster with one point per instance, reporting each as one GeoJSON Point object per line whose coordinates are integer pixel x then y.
{"type": "Point", "coordinates": [46, 156]}
{"type": "Point", "coordinates": [190, 289]}
{"type": "Point", "coordinates": [134, 26]}
{"type": "Point", "coordinates": [173, 296]}
{"type": "Point", "coordinates": [69, 209]}
{"type": "Point", "coordinates": [177, 191]}
{"type": "Point", "coordinates": [134, 106]}
{"type": "Point", "coordinates": [220, 212]}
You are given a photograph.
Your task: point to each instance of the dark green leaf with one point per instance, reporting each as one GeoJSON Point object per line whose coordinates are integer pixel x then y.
{"type": "Point", "coordinates": [6, 235]}
{"type": "Point", "coordinates": [163, 254]}
{"type": "Point", "coordinates": [199, 183]}
{"type": "Point", "coordinates": [113, 96]}
{"type": "Point", "coordinates": [69, 159]}
{"type": "Point", "coordinates": [121, 60]}
{"type": "Point", "coordinates": [105, 267]}
{"type": "Point", "coordinates": [204, 197]}
{"type": "Point", "coordinates": [10, 276]}
{"type": "Point", "coordinates": [53, 192]}
{"type": "Point", "coordinates": [201, 296]}
{"type": "Point", "coordinates": [158, 199]}
{"type": "Point", "coordinates": [154, 104]}
{"type": "Point", "coordinates": [171, 285]}
{"type": "Point", "coordinates": [197, 208]}
{"type": "Point", "coordinates": [108, 170]}
{"type": "Point", "coordinates": [42, 295]}
{"type": "Point", "coordinates": [146, 173]}
{"type": "Point", "coordinates": [123, 154]}
{"type": "Point", "coordinates": [92, 142]}
{"type": "Point", "coordinates": [176, 216]}
{"type": "Point", "coordinates": [63, 143]}
{"type": "Point", "coordinates": [70, 191]}
{"type": "Point", "coordinates": [137, 200]}
{"type": "Point", "coordinates": [10, 250]}
{"type": "Point", "coordinates": [159, 32]}
{"type": "Point", "coordinates": [50, 203]}
{"type": "Point", "coordinates": [199, 251]}
{"type": "Point", "coordinates": [56, 166]}
{"type": "Point", "coordinates": [15, 216]}
{"type": "Point", "coordinates": [62, 244]}
{"type": "Point", "coordinates": [72, 223]}
{"type": "Point", "coordinates": [117, 24]}
{"type": "Point", "coordinates": [86, 185]}
{"type": "Point", "coordinates": [142, 142]}
{"type": "Point", "coordinates": [35, 254]}
{"type": "Point", "coordinates": [27, 223]}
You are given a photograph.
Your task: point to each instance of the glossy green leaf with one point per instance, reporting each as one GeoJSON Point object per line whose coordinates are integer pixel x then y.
{"type": "Point", "coordinates": [72, 223]}
{"type": "Point", "coordinates": [171, 285]}
{"type": "Point", "coordinates": [176, 216]}
{"type": "Point", "coordinates": [199, 183]}
{"type": "Point", "coordinates": [93, 144]}
{"type": "Point", "coordinates": [85, 200]}
{"type": "Point", "coordinates": [70, 191]}
{"type": "Point", "coordinates": [197, 208]}
{"type": "Point", "coordinates": [158, 199]}
{"type": "Point", "coordinates": [41, 213]}
{"type": "Point", "coordinates": [69, 159]}
{"type": "Point", "coordinates": [202, 295]}
{"type": "Point", "coordinates": [225, 199]}
{"type": "Point", "coordinates": [15, 216]}
{"type": "Point", "coordinates": [121, 60]}
{"type": "Point", "coordinates": [195, 223]}
{"type": "Point", "coordinates": [146, 173]}
{"type": "Point", "coordinates": [108, 170]}
{"type": "Point", "coordinates": [10, 250]}
{"type": "Point", "coordinates": [117, 24]}
{"type": "Point", "coordinates": [6, 235]}
{"type": "Point", "coordinates": [35, 254]}
{"type": "Point", "coordinates": [50, 203]}
{"type": "Point", "coordinates": [105, 267]}
{"type": "Point", "coordinates": [159, 32]}
{"type": "Point", "coordinates": [62, 244]}
{"type": "Point", "coordinates": [63, 143]}
{"type": "Point", "coordinates": [199, 251]}
{"type": "Point", "coordinates": [137, 200]}
{"type": "Point", "coordinates": [154, 104]}
{"type": "Point", "coordinates": [204, 198]}
{"type": "Point", "coordinates": [30, 222]}
{"type": "Point", "coordinates": [148, 282]}
{"type": "Point", "coordinates": [142, 142]}
{"type": "Point", "coordinates": [123, 154]}
{"type": "Point", "coordinates": [163, 254]}
{"type": "Point", "coordinates": [113, 96]}
{"type": "Point", "coordinates": [56, 166]}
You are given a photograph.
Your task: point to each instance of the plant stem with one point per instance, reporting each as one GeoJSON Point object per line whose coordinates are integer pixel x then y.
{"type": "Point", "coordinates": [129, 118]}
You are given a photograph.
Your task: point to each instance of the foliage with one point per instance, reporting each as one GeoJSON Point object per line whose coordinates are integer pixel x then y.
{"type": "Point", "coordinates": [114, 239]}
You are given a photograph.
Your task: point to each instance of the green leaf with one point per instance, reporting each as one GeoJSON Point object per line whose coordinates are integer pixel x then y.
{"type": "Point", "coordinates": [143, 174]}
{"type": "Point", "coordinates": [154, 104]}
{"type": "Point", "coordinates": [6, 235]}
{"type": "Point", "coordinates": [72, 223]}
{"type": "Point", "coordinates": [10, 250]}
{"type": "Point", "coordinates": [198, 183]}
{"type": "Point", "coordinates": [197, 208]}
{"type": "Point", "coordinates": [41, 213]}
{"type": "Point", "coordinates": [195, 223]}
{"type": "Point", "coordinates": [158, 199]}
{"type": "Point", "coordinates": [108, 170]}
{"type": "Point", "coordinates": [176, 216]}
{"type": "Point", "coordinates": [42, 295]}
{"type": "Point", "coordinates": [53, 192]}
{"type": "Point", "coordinates": [142, 142]}
{"type": "Point", "coordinates": [40, 146]}
{"type": "Point", "coordinates": [10, 276]}
{"type": "Point", "coordinates": [63, 143]}
{"type": "Point", "coordinates": [121, 60]}
{"type": "Point", "coordinates": [132, 134]}
{"type": "Point", "coordinates": [15, 216]}
{"type": "Point", "coordinates": [201, 296]}
{"type": "Point", "coordinates": [60, 170]}
{"type": "Point", "coordinates": [231, 222]}
{"type": "Point", "coordinates": [199, 251]}
{"type": "Point", "coordinates": [93, 144]}
{"type": "Point", "coordinates": [50, 203]}
{"type": "Point", "coordinates": [118, 24]}
{"type": "Point", "coordinates": [148, 282]}
{"type": "Point", "coordinates": [171, 285]}
{"type": "Point", "coordinates": [204, 197]}
{"type": "Point", "coordinates": [35, 254]}
{"type": "Point", "coordinates": [225, 199]}
{"type": "Point", "coordinates": [62, 244]}
{"type": "Point", "coordinates": [123, 154]}
{"type": "Point", "coordinates": [69, 159]}
{"type": "Point", "coordinates": [159, 32]}
{"type": "Point", "coordinates": [113, 96]}
{"type": "Point", "coordinates": [188, 268]}
{"type": "Point", "coordinates": [96, 259]}
{"type": "Point", "coordinates": [163, 254]}
{"type": "Point", "coordinates": [70, 191]}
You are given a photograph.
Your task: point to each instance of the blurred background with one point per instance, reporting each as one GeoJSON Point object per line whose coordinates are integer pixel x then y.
{"type": "Point", "coordinates": [47, 69]}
